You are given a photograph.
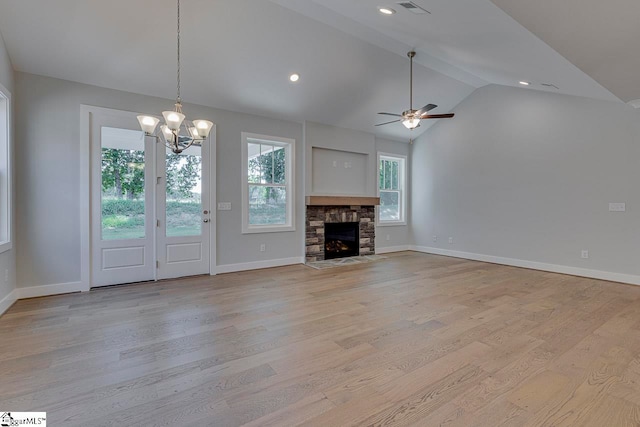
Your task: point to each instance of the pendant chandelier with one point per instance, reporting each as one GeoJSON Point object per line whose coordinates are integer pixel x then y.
{"type": "Point", "coordinates": [176, 133]}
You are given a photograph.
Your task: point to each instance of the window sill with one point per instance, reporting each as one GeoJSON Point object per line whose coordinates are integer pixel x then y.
{"type": "Point", "coordinates": [5, 247]}
{"type": "Point", "coordinates": [268, 229]}
{"type": "Point", "coordinates": [391, 223]}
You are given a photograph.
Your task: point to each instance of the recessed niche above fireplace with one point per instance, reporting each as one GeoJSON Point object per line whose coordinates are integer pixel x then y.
{"type": "Point", "coordinates": [339, 172]}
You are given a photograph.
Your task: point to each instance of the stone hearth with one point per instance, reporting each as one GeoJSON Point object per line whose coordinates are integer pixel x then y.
{"type": "Point", "coordinates": [317, 216]}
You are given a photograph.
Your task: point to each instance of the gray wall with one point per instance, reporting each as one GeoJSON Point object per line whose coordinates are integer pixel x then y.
{"type": "Point", "coordinates": [48, 174]}
{"type": "Point", "coordinates": [7, 259]}
{"type": "Point", "coordinates": [528, 175]}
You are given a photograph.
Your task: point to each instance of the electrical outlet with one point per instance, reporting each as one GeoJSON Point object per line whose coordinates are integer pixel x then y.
{"type": "Point", "coordinates": [435, 238]}
{"type": "Point", "coordinates": [584, 254]}
{"type": "Point", "coordinates": [451, 240]}
{"type": "Point", "coordinates": [263, 247]}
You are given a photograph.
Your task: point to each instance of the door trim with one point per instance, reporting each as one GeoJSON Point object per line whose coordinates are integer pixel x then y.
{"type": "Point", "coordinates": [213, 201]}
{"type": "Point", "coordinates": [86, 113]}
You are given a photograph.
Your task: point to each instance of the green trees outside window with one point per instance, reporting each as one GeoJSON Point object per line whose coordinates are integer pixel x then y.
{"type": "Point", "coordinates": [123, 185]}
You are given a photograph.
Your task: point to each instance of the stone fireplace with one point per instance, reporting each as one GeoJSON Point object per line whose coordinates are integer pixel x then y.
{"type": "Point", "coordinates": [323, 210]}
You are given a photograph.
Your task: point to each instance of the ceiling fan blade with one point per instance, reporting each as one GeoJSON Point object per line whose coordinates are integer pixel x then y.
{"type": "Point", "coordinates": [391, 114]}
{"type": "Point", "coordinates": [425, 109]}
{"type": "Point", "coordinates": [393, 121]}
{"type": "Point", "coordinates": [437, 116]}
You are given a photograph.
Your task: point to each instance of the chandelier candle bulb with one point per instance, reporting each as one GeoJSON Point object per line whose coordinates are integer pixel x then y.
{"type": "Point", "coordinates": [174, 119]}
{"type": "Point", "coordinates": [203, 127]}
{"type": "Point", "coordinates": [168, 135]}
{"type": "Point", "coordinates": [148, 124]}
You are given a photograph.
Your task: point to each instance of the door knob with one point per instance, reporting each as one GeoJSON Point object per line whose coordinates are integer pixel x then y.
{"type": "Point", "coordinates": [205, 220]}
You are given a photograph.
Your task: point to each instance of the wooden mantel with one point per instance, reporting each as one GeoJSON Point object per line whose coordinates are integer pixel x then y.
{"type": "Point", "coordinates": [341, 201]}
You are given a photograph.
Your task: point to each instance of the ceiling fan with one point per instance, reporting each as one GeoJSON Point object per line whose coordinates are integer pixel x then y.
{"type": "Point", "coordinates": [411, 118]}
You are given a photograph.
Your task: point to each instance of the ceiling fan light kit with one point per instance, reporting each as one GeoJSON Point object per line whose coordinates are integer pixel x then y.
{"type": "Point", "coordinates": [177, 133]}
{"type": "Point", "coordinates": [411, 118]}
{"type": "Point", "coordinates": [411, 122]}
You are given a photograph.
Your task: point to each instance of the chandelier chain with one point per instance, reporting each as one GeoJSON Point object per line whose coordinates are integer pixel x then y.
{"type": "Point", "coordinates": [178, 100]}
{"type": "Point", "coordinates": [177, 134]}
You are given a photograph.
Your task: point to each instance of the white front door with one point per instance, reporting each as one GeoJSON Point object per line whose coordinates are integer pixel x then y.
{"type": "Point", "coordinates": [150, 209]}
{"type": "Point", "coordinates": [122, 196]}
{"type": "Point", "coordinates": [184, 211]}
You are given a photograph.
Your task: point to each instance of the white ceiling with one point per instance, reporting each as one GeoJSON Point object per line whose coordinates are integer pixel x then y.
{"type": "Point", "coordinates": [237, 54]}
{"type": "Point", "coordinates": [475, 37]}
{"type": "Point", "coordinates": [602, 38]}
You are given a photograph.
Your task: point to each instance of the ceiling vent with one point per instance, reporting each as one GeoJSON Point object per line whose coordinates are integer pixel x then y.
{"type": "Point", "coordinates": [413, 8]}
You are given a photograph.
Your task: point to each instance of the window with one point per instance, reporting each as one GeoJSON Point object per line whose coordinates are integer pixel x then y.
{"type": "Point", "coordinates": [391, 186]}
{"type": "Point", "coordinates": [267, 193]}
{"type": "Point", "coordinates": [5, 170]}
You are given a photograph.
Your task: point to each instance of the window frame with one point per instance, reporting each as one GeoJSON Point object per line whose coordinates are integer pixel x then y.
{"type": "Point", "coordinates": [402, 188]}
{"type": "Point", "coordinates": [6, 164]}
{"type": "Point", "coordinates": [289, 146]}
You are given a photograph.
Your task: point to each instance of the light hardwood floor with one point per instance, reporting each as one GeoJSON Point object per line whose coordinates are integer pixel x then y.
{"type": "Point", "coordinates": [414, 339]}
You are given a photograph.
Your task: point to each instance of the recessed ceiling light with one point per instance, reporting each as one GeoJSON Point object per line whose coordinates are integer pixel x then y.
{"type": "Point", "coordinates": [386, 10]}
{"type": "Point", "coordinates": [523, 83]}
{"type": "Point", "coordinates": [294, 77]}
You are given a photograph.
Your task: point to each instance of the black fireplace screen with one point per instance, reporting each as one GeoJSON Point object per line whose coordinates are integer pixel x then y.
{"type": "Point", "coordinates": [341, 240]}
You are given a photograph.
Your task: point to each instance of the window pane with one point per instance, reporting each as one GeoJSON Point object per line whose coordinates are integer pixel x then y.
{"type": "Point", "coordinates": [381, 175]}
{"type": "Point", "coordinates": [266, 162]}
{"type": "Point", "coordinates": [122, 178]}
{"type": "Point", "coordinates": [389, 206]}
{"type": "Point", "coordinates": [267, 205]}
{"type": "Point", "coordinates": [387, 174]}
{"type": "Point", "coordinates": [184, 193]}
{"type": "Point", "coordinates": [394, 175]}
{"type": "Point", "coordinates": [254, 173]}
{"type": "Point", "coordinates": [279, 165]}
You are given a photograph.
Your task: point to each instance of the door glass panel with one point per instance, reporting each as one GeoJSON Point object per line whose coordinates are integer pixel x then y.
{"type": "Point", "coordinates": [184, 193]}
{"type": "Point", "coordinates": [122, 199]}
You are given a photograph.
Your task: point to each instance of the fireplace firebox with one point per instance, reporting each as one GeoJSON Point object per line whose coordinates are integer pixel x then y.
{"type": "Point", "coordinates": [341, 240]}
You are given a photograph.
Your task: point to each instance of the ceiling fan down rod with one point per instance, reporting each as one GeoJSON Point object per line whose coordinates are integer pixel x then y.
{"type": "Point", "coordinates": [411, 54]}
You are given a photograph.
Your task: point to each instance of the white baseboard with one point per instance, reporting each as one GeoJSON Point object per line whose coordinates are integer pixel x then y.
{"type": "Point", "coordinates": [389, 249]}
{"type": "Point", "coordinates": [230, 268]}
{"type": "Point", "coordinates": [554, 268]}
{"type": "Point", "coordinates": [8, 301]}
{"type": "Point", "coordinates": [46, 290]}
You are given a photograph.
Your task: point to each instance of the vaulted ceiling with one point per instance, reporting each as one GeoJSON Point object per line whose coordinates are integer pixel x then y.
{"type": "Point", "coordinates": [602, 38]}
{"type": "Point", "coordinates": [238, 54]}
